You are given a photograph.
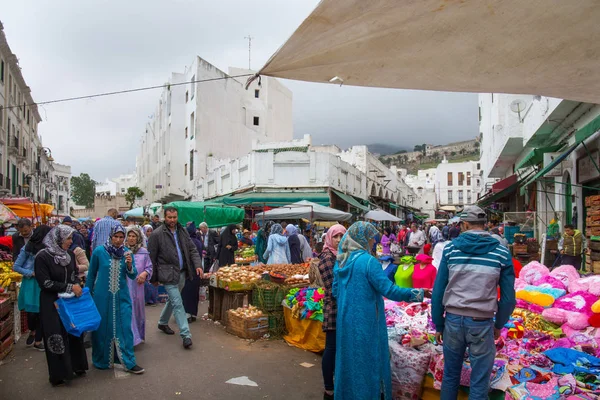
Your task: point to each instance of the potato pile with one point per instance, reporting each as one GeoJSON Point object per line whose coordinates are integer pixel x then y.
{"type": "Point", "coordinates": [233, 273]}
{"type": "Point", "coordinates": [297, 280]}
{"type": "Point", "coordinates": [249, 312]}
{"type": "Point", "coordinates": [288, 269]}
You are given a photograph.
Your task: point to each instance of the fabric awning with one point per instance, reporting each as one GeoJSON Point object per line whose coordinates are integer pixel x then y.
{"type": "Point", "coordinates": [448, 208]}
{"type": "Point", "coordinates": [493, 197]}
{"type": "Point", "coordinates": [351, 200]}
{"type": "Point", "coordinates": [395, 206]}
{"type": "Point", "coordinates": [305, 210]}
{"type": "Point", "coordinates": [588, 130]}
{"type": "Point", "coordinates": [504, 183]}
{"type": "Point", "coordinates": [536, 156]}
{"type": "Point", "coordinates": [215, 215]}
{"type": "Point", "coordinates": [275, 199]}
{"type": "Point", "coordinates": [549, 167]}
{"type": "Point", "coordinates": [380, 215]}
{"type": "Point", "coordinates": [473, 46]}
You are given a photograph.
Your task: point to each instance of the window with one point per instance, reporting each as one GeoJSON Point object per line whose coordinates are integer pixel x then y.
{"type": "Point", "coordinates": [191, 165]}
{"type": "Point", "coordinates": [27, 117]}
{"type": "Point", "coordinates": [169, 104]}
{"type": "Point", "coordinates": [2, 71]}
{"type": "Point", "coordinates": [478, 166]}
{"type": "Point", "coordinates": [468, 178]}
{"type": "Point", "coordinates": [256, 121]}
{"type": "Point", "coordinates": [1, 116]}
{"type": "Point", "coordinates": [256, 93]}
{"type": "Point", "coordinates": [461, 178]}
{"type": "Point", "coordinates": [460, 197]}
{"type": "Point", "coordinates": [193, 89]}
{"type": "Point", "coordinates": [468, 197]}
{"type": "Point", "coordinates": [187, 95]}
{"type": "Point", "coordinates": [186, 132]}
{"type": "Point", "coordinates": [449, 178]}
{"type": "Point", "coordinates": [192, 124]}
{"type": "Point", "coordinates": [185, 170]}
{"type": "Point", "coordinates": [449, 196]}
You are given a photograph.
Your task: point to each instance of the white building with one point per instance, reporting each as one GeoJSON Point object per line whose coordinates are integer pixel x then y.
{"type": "Point", "coordinates": [522, 137]}
{"type": "Point", "coordinates": [60, 188]}
{"type": "Point", "coordinates": [285, 170]}
{"type": "Point", "coordinates": [457, 184]}
{"type": "Point", "coordinates": [199, 121]}
{"type": "Point", "coordinates": [423, 184]}
{"type": "Point", "coordinates": [115, 186]}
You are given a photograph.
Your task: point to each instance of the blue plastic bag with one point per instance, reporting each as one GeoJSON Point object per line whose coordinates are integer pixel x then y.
{"type": "Point", "coordinates": [78, 314]}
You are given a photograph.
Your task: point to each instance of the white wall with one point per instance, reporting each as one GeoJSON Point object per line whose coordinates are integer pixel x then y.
{"type": "Point", "coordinates": [443, 188]}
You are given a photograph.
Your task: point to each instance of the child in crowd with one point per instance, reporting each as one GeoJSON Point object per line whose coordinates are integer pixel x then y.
{"type": "Point", "coordinates": [424, 272]}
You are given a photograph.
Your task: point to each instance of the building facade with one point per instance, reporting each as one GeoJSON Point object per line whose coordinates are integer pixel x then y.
{"type": "Point", "coordinates": [112, 187]}
{"type": "Point", "coordinates": [26, 166]}
{"type": "Point", "coordinates": [457, 184]}
{"type": "Point", "coordinates": [205, 114]}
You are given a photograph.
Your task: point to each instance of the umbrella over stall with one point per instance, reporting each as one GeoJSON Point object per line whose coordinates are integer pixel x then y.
{"type": "Point", "coordinates": [306, 210]}
{"type": "Point", "coordinates": [380, 215]}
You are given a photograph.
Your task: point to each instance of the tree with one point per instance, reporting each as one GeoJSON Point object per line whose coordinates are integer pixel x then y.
{"type": "Point", "coordinates": [418, 147]}
{"type": "Point", "coordinates": [83, 190]}
{"type": "Point", "coordinates": [424, 149]}
{"type": "Point", "coordinates": [132, 194]}
{"type": "Point", "coordinates": [453, 153]}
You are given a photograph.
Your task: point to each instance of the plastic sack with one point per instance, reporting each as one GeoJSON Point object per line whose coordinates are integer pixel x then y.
{"type": "Point", "coordinates": [78, 314]}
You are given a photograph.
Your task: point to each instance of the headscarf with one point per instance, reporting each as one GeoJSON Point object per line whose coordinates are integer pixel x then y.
{"type": "Point", "coordinates": [276, 229]}
{"type": "Point", "coordinates": [145, 229]}
{"type": "Point", "coordinates": [114, 251]}
{"type": "Point", "coordinates": [139, 238]}
{"type": "Point", "coordinates": [53, 242]}
{"type": "Point", "coordinates": [36, 242]}
{"type": "Point", "coordinates": [387, 231]}
{"type": "Point", "coordinates": [268, 226]}
{"type": "Point", "coordinates": [228, 237]}
{"type": "Point", "coordinates": [192, 230]}
{"type": "Point", "coordinates": [334, 231]}
{"type": "Point", "coordinates": [291, 230]}
{"type": "Point", "coordinates": [356, 238]}
{"type": "Point", "coordinates": [424, 258]}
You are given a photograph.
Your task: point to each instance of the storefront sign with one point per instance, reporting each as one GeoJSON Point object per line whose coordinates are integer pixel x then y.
{"type": "Point", "coordinates": [586, 170]}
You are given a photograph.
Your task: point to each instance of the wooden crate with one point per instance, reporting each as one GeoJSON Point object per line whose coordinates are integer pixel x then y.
{"type": "Point", "coordinates": [592, 201]}
{"type": "Point", "coordinates": [519, 249]}
{"type": "Point", "coordinates": [592, 211]}
{"type": "Point", "coordinates": [220, 301]}
{"type": "Point", "coordinates": [592, 220]}
{"type": "Point", "coordinates": [592, 231]}
{"type": "Point", "coordinates": [247, 328]}
{"type": "Point", "coordinates": [6, 306]}
{"type": "Point", "coordinates": [595, 267]}
{"type": "Point", "coordinates": [7, 324]}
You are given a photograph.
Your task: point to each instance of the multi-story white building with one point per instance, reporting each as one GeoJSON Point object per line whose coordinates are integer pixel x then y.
{"type": "Point", "coordinates": [423, 184]}
{"type": "Point", "coordinates": [112, 187]}
{"type": "Point", "coordinates": [457, 184]}
{"type": "Point", "coordinates": [544, 153]}
{"type": "Point", "coordinates": [206, 114]}
{"type": "Point", "coordinates": [25, 165]}
{"type": "Point", "coordinates": [60, 188]}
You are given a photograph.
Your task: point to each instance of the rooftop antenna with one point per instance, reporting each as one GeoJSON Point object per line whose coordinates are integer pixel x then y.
{"type": "Point", "coordinates": [249, 50]}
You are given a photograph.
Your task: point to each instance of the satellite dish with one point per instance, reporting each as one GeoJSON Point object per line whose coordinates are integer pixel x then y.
{"type": "Point", "coordinates": [518, 106]}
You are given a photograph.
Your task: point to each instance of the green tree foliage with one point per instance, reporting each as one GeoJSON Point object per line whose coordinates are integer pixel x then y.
{"type": "Point", "coordinates": [83, 189]}
{"type": "Point", "coordinates": [132, 194]}
{"type": "Point", "coordinates": [418, 148]}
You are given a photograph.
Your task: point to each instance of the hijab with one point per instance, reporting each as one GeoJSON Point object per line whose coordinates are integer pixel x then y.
{"type": "Point", "coordinates": [192, 230]}
{"type": "Point", "coordinates": [36, 242]}
{"type": "Point", "coordinates": [333, 231]}
{"type": "Point", "coordinates": [388, 232]}
{"type": "Point", "coordinates": [139, 238]}
{"type": "Point", "coordinates": [291, 230]}
{"type": "Point", "coordinates": [355, 239]}
{"type": "Point", "coordinates": [228, 237]}
{"type": "Point", "coordinates": [114, 251]}
{"type": "Point", "coordinates": [145, 229]}
{"type": "Point", "coordinates": [276, 229]}
{"type": "Point", "coordinates": [53, 242]}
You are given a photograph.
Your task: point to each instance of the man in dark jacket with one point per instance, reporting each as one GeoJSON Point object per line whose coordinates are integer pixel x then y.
{"type": "Point", "coordinates": [210, 240]}
{"type": "Point", "coordinates": [174, 258]}
{"type": "Point", "coordinates": [21, 238]}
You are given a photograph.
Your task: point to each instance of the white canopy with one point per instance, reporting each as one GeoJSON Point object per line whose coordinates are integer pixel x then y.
{"type": "Point", "coordinates": [380, 215]}
{"type": "Point", "coordinates": [541, 47]}
{"type": "Point", "coordinates": [305, 210]}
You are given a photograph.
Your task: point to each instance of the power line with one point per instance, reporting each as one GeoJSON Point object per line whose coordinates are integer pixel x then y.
{"type": "Point", "coordinates": [166, 85]}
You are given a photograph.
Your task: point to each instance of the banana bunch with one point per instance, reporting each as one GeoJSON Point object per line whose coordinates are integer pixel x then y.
{"type": "Point", "coordinates": [7, 278]}
{"type": "Point", "coordinates": [6, 267]}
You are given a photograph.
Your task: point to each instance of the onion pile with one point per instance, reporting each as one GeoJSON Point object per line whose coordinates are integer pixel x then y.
{"type": "Point", "coordinates": [288, 269]}
{"type": "Point", "coordinates": [249, 312]}
{"type": "Point", "coordinates": [244, 275]}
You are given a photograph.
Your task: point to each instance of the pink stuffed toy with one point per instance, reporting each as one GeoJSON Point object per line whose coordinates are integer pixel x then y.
{"type": "Point", "coordinates": [548, 281]}
{"type": "Point", "coordinates": [574, 310]}
{"type": "Point", "coordinates": [532, 272]}
{"type": "Point", "coordinates": [566, 274]}
{"type": "Point", "coordinates": [590, 284]}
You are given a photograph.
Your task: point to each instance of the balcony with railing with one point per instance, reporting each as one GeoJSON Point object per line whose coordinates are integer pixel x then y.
{"type": "Point", "coordinates": [2, 136]}
{"type": "Point", "coordinates": [22, 155]}
{"type": "Point", "coordinates": [13, 146]}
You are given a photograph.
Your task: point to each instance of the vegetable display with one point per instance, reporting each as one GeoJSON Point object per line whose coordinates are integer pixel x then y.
{"type": "Point", "coordinates": [7, 275]}
{"type": "Point", "coordinates": [249, 312]}
{"type": "Point", "coordinates": [288, 270]}
{"type": "Point", "coordinates": [234, 273]}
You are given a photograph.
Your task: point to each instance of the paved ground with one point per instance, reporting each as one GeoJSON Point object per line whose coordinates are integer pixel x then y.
{"type": "Point", "coordinates": [175, 373]}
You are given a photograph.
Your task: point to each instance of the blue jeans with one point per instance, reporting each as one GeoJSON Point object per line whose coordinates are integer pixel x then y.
{"type": "Point", "coordinates": [175, 306]}
{"type": "Point", "coordinates": [461, 333]}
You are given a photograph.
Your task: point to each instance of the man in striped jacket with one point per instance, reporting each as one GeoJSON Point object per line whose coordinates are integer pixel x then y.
{"type": "Point", "coordinates": [465, 306]}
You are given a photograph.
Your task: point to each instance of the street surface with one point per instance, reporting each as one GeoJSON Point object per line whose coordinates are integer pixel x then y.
{"type": "Point", "coordinates": [175, 373]}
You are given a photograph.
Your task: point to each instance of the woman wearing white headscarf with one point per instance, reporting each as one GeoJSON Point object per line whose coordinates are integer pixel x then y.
{"type": "Point", "coordinates": [56, 272]}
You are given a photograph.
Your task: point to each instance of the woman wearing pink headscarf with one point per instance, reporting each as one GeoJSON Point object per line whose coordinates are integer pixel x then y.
{"type": "Point", "coordinates": [327, 261]}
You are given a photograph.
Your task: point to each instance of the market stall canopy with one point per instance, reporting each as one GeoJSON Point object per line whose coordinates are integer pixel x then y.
{"type": "Point", "coordinates": [25, 208]}
{"type": "Point", "coordinates": [448, 208]}
{"type": "Point", "coordinates": [305, 210]}
{"type": "Point", "coordinates": [137, 212]}
{"type": "Point", "coordinates": [7, 215]}
{"type": "Point", "coordinates": [542, 47]}
{"type": "Point", "coordinates": [214, 214]}
{"type": "Point", "coordinates": [380, 215]}
{"type": "Point", "coordinates": [274, 199]}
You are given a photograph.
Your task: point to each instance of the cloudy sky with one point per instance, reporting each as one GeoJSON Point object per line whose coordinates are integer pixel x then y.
{"type": "Point", "coordinates": [72, 48]}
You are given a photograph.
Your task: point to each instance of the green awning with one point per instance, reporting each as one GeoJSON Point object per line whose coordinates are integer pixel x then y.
{"type": "Point", "coordinates": [536, 156]}
{"type": "Point", "coordinates": [395, 206]}
{"type": "Point", "coordinates": [588, 130]}
{"type": "Point", "coordinates": [351, 200]}
{"type": "Point", "coordinates": [275, 199]}
{"type": "Point", "coordinates": [214, 214]}
{"type": "Point", "coordinates": [541, 173]}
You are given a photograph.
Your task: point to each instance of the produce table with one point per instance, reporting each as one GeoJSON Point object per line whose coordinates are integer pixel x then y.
{"type": "Point", "coordinates": [220, 301]}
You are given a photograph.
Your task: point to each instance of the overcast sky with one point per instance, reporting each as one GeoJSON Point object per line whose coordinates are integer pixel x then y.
{"type": "Point", "coordinates": [72, 48]}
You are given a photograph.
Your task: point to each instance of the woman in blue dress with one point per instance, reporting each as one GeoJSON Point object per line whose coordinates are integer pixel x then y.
{"type": "Point", "coordinates": [110, 267]}
{"type": "Point", "coordinates": [29, 295]}
{"type": "Point", "coordinates": [362, 362]}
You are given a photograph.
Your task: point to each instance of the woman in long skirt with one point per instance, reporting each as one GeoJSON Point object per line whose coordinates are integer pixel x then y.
{"type": "Point", "coordinates": [111, 265]}
{"type": "Point", "coordinates": [191, 291]}
{"type": "Point", "coordinates": [143, 265]}
{"type": "Point", "coordinates": [56, 273]}
{"type": "Point", "coordinates": [29, 295]}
